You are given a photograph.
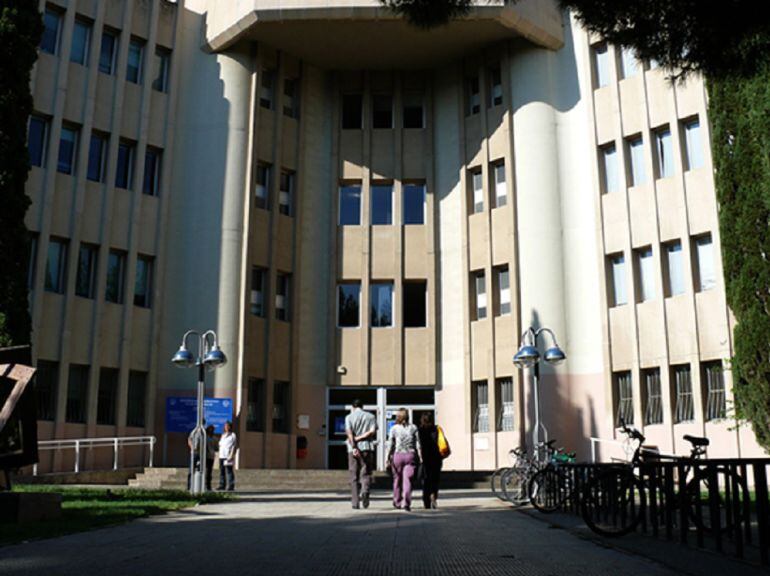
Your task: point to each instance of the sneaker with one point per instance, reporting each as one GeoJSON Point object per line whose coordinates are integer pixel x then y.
{"type": "Point", "coordinates": [396, 506]}
{"type": "Point", "coordinates": [408, 508]}
{"type": "Point", "coordinates": [365, 500]}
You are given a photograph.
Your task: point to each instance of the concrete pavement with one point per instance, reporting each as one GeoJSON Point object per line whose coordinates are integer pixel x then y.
{"type": "Point", "coordinates": [471, 533]}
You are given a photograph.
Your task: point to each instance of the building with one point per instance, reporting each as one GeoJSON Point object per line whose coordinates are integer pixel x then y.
{"type": "Point", "coordinates": [362, 209]}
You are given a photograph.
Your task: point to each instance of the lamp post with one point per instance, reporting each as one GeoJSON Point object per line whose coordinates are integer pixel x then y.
{"type": "Point", "coordinates": [209, 357]}
{"type": "Point", "coordinates": [528, 356]}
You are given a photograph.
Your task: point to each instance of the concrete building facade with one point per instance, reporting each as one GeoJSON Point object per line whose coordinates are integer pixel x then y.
{"type": "Point", "coordinates": [362, 209]}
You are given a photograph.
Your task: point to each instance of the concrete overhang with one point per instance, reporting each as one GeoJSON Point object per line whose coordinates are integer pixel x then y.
{"type": "Point", "coordinates": [356, 34]}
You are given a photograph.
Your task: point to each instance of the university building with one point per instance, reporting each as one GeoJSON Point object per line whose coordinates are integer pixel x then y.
{"type": "Point", "coordinates": [361, 209]}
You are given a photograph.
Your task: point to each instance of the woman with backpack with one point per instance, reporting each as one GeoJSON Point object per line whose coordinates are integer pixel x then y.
{"type": "Point", "coordinates": [434, 449]}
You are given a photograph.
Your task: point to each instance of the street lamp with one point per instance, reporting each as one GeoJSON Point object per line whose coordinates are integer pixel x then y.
{"type": "Point", "coordinates": [209, 357]}
{"type": "Point", "coordinates": [528, 356]}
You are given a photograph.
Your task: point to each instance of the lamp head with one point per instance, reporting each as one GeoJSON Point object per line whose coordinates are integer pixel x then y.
{"type": "Point", "coordinates": [526, 357]}
{"type": "Point", "coordinates": [214, 358]}
{"type": "Point", "coordinates": [183, 357]}
{"type": "Point", "coordinates": [555, 355]}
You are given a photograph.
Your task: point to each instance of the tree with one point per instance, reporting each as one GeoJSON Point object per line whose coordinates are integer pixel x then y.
{"type": "Point", "coordinates": [429, 13]}
{"type": "Point", "coordinates": [20, 29]}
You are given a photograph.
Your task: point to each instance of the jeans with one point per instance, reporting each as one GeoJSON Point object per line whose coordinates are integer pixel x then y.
{"type": "Point", "coordinates": [226, 476]}
{"type": "Point", "coordinates": [403, 474]}
{"type": "Point", "coordinates": [360, 474]}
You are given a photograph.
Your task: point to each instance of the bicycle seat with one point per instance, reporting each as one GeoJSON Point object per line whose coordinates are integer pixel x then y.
{"type": "Point", "coordinates": [551, 442]}
{"type": "Point", "coordinates": [696, 440]}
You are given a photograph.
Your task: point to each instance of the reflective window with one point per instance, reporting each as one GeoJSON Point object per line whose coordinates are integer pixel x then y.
{"type": "Point", "coordinates": [286, 193]}
{"type": "Point", "coordinates": [348, 297]}
{"type": "Point", "coordinates": [116, 269]}
{"type": "Point", "coordinates": [653, 397]}
{"type": "Point", "coordinates": [716, 396]}
{"type": "Point", "coordinates": [629, 65]}
{"type": "Point", "coordinates": [674, 268]}
{"type": "Point", "coordinates": [81, 42]}
{"type": "Point", "coordinates": [610, 174]}
{"type": "Point", "coordinates": [636, 161]}
{"type": "Point", "coordinates": [503, 290]}
{"type": "Point", "coordinates": [124, 175]}
{"type": "Point", "coordinates": [97, 157]}
{"type": "Point", "coordinates": [501, 190]}
{"type": "Point", "coordinates": [67, 150]}
{"type": "Point", "coordinates": [262, 188]}
{"type": "Point", "coordinates": [350, 205]}
{"type": "Point", "coordinates": [49, 41]}
{"type": "Point", "coordinates": [480, 295]}
{"type": "Point", "coordinates": [601, 65]}
{"type": "Point", "coordinates": [414, 203]}
{"type": "Point", "coordinates": [624, 395]}
{"type": "Point", "coordinates": [706, 270]}
{"type": "Point", "coordinates": [161, 65]}
{"type": "Point", "coordinates": [283, 297]}
{"type": "Point", "coordinates": [56, 266]}
{"type": "Point", "coordinates": [152, 164]}
{"type": "Point", "coordinates": [291, 97]}
{"type": "Point", "coordinates": [477, 187]}
{"type": "Point", "coordinates": [85, 283]}
{"type": "Point", "coordinates": [480, 406]}
{"type": "Point", "coordinates": [684, 407]}
{"type": "Point", "coordinates": [505, 405]}
{"type": "Point", "coordinates": [46, 388]}
{"type": "Point", "coordinates": [619, 292]}
{"type": "Point", "coordinates": [646, 272]}
{"type": "Point", "coordinates": [267, 89]}
{"type": "Point", "coordinates": [258, 291]}
{"type": "Point", "coordinates": [495, 86]}
{"type": "Point", "coordinates": [381, 304]}
{"type": "Point", "coordinates": [37, 140]}
{"type": "Point", "coordinates": [143, 281]}
{"type": "Point", "coordinates": [382, 204]}
{"type": "Point", "coordinates": [472, 96]}
{"type": "Point", "coordinates": [664, 153]}
{"type": "Point", "coordinates": [108, 52]}
{"type": "Point", "coordinates": [135, 59]}
{"type": "Point", "coordinates": [693, 144]}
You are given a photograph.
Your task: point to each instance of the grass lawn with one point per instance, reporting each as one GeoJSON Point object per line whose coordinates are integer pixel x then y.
{"type": "Point", "coordinates": [89, 508]}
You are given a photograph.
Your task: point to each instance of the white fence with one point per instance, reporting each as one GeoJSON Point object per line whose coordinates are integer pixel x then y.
{"type": "Point", "coordinates": [79, 444]}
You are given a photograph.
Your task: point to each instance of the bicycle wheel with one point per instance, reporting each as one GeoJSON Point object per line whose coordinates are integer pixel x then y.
{"type": "Point", "coordinates": [548, 489]}
{"type": "Point", "coordinates": [613, 502]}
{"type": "Point", "coordinates": [513, 484]}
{"type": "Point", "coordinates": [495, 481]}
{"type": "Point", "coordinates": [699, 500]}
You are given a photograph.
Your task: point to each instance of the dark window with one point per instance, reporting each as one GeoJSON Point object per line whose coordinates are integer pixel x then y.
{"type": "Point", "coordinates": [135, 59]}
{"type": "Point", "coordinates": [77, 394]}
{"type": "Point", "coordinates": [49, 41]}
{"type": "Point", "coordinates": [350, 205]}
{"type": "Point", "coordinates": [653, 397]}
{"type": "Point", "coordinates": [281, 406]}
{"type": "Point", "coordinates": [255, 410]}
{"type": "Point", "coordinates": [382, 111]}
{"type": "Point", "coordinates": [258, 291]}
{"type": "Point", "coordinates": [624, 394]}
{"type": "Point", "coordinates": [381, 304]}
{"type": "Point", "coordinates": [348, 315]}
{"type": "Point", "coordinates": [116, 267]}
{"type": "Point", "coordinates": [81, 42]}
{"type": "Point", "coordinates": [108, 396]}
{"type": "Point", "coordinates": [161, 65]}
{"type": "Point", "coordinates": [46, 386]}
{"type": "Point", "coordinates": [352, 111]}
{"type": "Point", "coordinates": [283, 297]}
{"type": "Point", "coordinates": [152, 162]}
{"type": "Point", "coordinates": [97, 157]}
{"type": "Point", "coordinates": [85, 283]}
{"type": "Point", "coordinates": [382, 204]}
{"type": "Point", "coordinates": [137, 398]}
{"type": "Point", "coordinates": [495, 87]}
{"type": "Point", "coordinates": [38, 137]}
{"type": "Point", "coordinates": [414, 204]}
{"type": "Point", "coordinates": [143, 282]}
{"type": "Point", "coordinates": [415, 304]}
{"type": "Point", "coordinates": [291, 97]}
{"type": "Point", "coordinates": [414, 116]}
{"type": "Point", "coordinates": [124, 175]}
{"type": "Point", "coordinates": [67, 150]}
{"type": "Point", "coordinates": [286, 193]}
{"type": "Point", "coordinates": [262, 189]}
{"type": "Point", "coordinates": [472, 96]}
{"type": "Point", "coordinates": [267, 89]}
{"type": "Point", "coordinates": [108, 52]}
{"type": "Point", "coordinates": [56, 266]}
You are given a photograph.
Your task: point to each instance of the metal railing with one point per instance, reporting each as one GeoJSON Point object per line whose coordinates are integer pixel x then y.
{"type": "Point", "coordinates": [79, 444]}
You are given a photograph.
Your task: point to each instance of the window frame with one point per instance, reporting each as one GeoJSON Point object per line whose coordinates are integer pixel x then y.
{"type": "Point", "coordinates": [68, 165]}
{"type": "Point", "coordinates": [120, 296]}
{"type": "Point", "coordinates": [375, 190]}
{"type": "Point", "coordinates": [92, 251]}
{"type": "Point", "coordinates": [340, 286]}
{"type": "Point", "coordinates": [134, 45]}
{"type": "Point", "coordinates": [58, 286]}
{"type": "Point", "coordinates": [283, 291]}
{"type": "Point", "coordinates": [684, 396]}
{"type": "Point", "coordinates": [45, 122]}
{"type": "Point", "coordinates": [345, 186]}
{"type": "Point", "coordinates": [114, 35]}
{"type": "Point", "coordinates": [623, 385]}
{"type": "Point", "coordinates": [258, 298]}
{"type": "Point", "coordinates": [144, 300]}
{"type": "Point", "coordinates": [376, 314]}
{"type": "Point", "coordinates": [161, 69]}
{"type": "Point", "coordinates": [406, 189]}
{"type": "Point", "coordinates": [59, 15]}
{"type": "Point", "coordinates": [88, 26]}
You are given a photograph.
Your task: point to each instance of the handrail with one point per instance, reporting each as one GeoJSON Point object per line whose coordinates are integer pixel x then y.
{"type": "Point", "coordinates": [116, 443]}
{"type": "Point", "coordinates": [624, 445]}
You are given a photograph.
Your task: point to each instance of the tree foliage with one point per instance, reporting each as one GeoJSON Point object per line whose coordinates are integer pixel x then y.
{"type": "Point", "coordinates": [429, 13]}
{"type": "Point", "coordinates": [20, 29]}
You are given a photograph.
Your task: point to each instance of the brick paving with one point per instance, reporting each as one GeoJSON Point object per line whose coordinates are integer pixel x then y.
{"type": "Point", "coordinates": [471, 533]}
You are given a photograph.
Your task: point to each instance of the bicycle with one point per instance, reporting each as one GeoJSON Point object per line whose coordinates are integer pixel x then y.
{"type": "Point", "coordinates": [515, 480]}
{"type": "Point", "coordinates": [550, 487]}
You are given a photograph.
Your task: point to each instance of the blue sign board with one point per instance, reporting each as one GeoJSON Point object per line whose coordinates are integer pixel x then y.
{"type": "Point", "coordinates": [182, 412]}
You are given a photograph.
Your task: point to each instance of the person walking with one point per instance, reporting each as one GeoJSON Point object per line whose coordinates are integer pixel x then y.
{"type": "Point", "coordinates": [404, 454]}
{"type": "Point", "coordinates": [360, 429]}
{"type": "Point", "coordinates": [228, 444]}
{"type": "Point", "coordinates": [431, 460]}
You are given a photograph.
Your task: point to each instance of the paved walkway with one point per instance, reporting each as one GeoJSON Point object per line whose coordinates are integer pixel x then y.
{"type": "Point", "coordinates": [472, 533]}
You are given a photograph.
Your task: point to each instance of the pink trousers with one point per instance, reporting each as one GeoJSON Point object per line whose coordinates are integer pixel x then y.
{"type": "Point", "coordinates": [403, 474]}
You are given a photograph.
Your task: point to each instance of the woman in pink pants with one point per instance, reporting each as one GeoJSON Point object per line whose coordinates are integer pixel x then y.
{"type": "Point", "coordinates": [404, 455]}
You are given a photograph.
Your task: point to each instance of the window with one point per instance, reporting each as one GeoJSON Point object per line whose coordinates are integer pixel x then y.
{"type": "Point", "coordinates": [255, 405]}
{"type": "Point", "coordinates": [382, 111]}
{"type": "Point", "coordinates": [381, 303]}
{"type": "Point", "coordinates": [116, 267]}
{"type": "Point", "coordinates": [258, 291]}
{"type": "Point", "coordinates": [283, 297]}
{"type": "Point", "coordinates": [704, 255]}
{"type": "Point", "coordinates": [610, 176]}
{"type": "Point", "coordinates": [108, 52]}
{"type": "Point", "coordinates": [85, 283]}
{"type": "Point", "coordinates": [348, 296]}
{"type": "Point", "coordinates": [503, 286]}
{"type": "Point", "coordinates": [49, 41]}
{"type": "Point", "coordinates": [37, 140]}
{"type": "Point", "coordinates": [81, 41]}
{"type": "Point", "coordinates": [137, 395]}
{"type": "Point", "coordinates": [160, 69]}
{"type": "Point", "coordinates": [281, 406]}
{"type": "Point", "coordinates": [664, 152]}
{"type": "Point", "coordinates": [477, 187]}
{"type": "Point", "coordinates": [414, 115]}
{"type": "Point", "coordinates": [629, 65]}
{"type": "Point", "coordinates": [480, 406]}
{"type": "Point", "coordinates": [67, 150]}
{"type": "Point", "coordinates": [495, 86]}
{"type": "Point", "coordinates": [107, 398]}
{"type": "Point", "coordinates": [262, 190]}
{"type": "Point", "coordinates": [716, 399]}
{"type": "Point", "coordinates": [352, 111]}
{"type": "Point", "coordinates": [653, 405]}
{"type": "Point", "coordinates": [624, 393]}
{"type": "Point", "coordinates": [674, 269]}
{"type": "Point", "coordinates": [143, 281]}
{"type": "Point", "coordinates": [601, 58]}
{"type": "Point", "coordinates": [382, 204]}
{"type": "Point", "coordinates": [152, 163]}
{"type": "Point", "coordinates": [693, 144]}
{"type": "Point", "coordinates": [478, 282]}
{"type": "Point", "coordinates": [618, 278]}
{"type": "Point", "coordinates": [56, 267]}
{"type": "Point", "coordinates": [267, 88]}
{"type": "Point", "coordinates": [97, 157]}
{"type": "Point", "coordinates": [505, 419]}
{"type": "Point", "coordinates": [637, 174]}
{"type": "Point", "coordinates": [350, 205]}
{"type": "Point", "coordinates": [135, 60]}
{"type": "Point", "coordinates": [645, 274]}
{"type": "Point", "coordinates": [286, 193]}
{"type": "Point", "coordinates": [77, 394]}
{"type": "Point", "coordinates": [415, 304]}
{"type": "Point", "coordinates": [46, 387]}
{"type": "Point", "coordinates": [414, 204]}
{"type": "Point", "coordinates": [32, 261]}
{"type": "Point", "coordinates": [291, 97]}
{"type": "Point", "coordinates": [684, 406]}
{"type": "Point", "coordinates": [124, 175]}
{"type": "Point", "coordinates": [472, 96]}
{"type": "Point", "coordinates": [501, 191]}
